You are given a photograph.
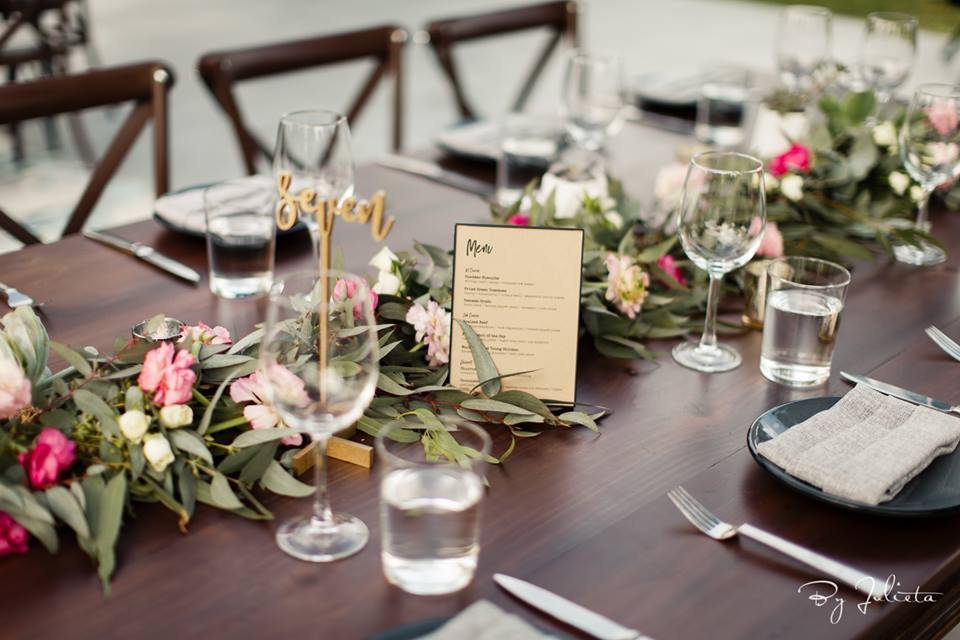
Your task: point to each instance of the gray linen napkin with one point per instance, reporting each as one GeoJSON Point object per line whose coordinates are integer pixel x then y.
{"type": "Point", "coordinates": [484, 620]}
{"type": "Point", "coordinates": [864, 448]}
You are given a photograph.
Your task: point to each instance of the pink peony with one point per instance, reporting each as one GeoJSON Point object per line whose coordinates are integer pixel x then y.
{"type": "Point", "coordinates": [260, 414]}
{"type": "Point", "coordinates": [13, 537]}
{"type": "Point", "coordinates": [346, 289]}
{"type": "Point", "coordinates": [519, 220]}
{"type": "Point", "coordinates": [52, 453]}
{"type": "Point", "coordinates": [943, 116]}
{"type": "Point", "coordinates": [796, 158]}
{"type": "Point", "coordinates": [771, 245]}
{"type": "Point", "coordinates": [669, 264]}
{"type": "Point", "coordinates": [205, 334]}
{"type": "Point", "coordinates": [626, 284]}
{"type": "Point", "coordinates": [167, 372]}
{"type": "Point", "coordinates": [15, 391]}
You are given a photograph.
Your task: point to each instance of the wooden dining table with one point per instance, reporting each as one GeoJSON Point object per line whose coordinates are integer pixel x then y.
{"type": "Point", "coordinates": [582, 514]}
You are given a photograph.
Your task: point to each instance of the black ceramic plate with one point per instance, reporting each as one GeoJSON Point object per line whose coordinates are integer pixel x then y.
{"type": "Point", "coordinates": [934, 492]}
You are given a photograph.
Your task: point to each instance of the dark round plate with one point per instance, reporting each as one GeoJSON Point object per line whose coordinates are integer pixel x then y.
{"type": "Point", "coordinates": [936, 491]}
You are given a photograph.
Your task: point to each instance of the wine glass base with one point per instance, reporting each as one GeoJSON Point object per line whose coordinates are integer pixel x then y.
{"type": "Point", "coordinates": [306, 539]}
{"type": "Point", "coordinates": [926, 255]}
{"type": "Point", "coordinates": [719, 358]}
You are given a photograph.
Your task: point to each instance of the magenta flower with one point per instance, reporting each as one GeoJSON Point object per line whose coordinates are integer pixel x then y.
{"type": "Point", "coordinates": [669, 264]}
{"type": "Point", "coordinates": [519, 220]}
{"type": "Point", "coordinates": [626, 284]}
{"type": "Point", "coordinates": [205, 334]}
{"type": "Point", "coordinates": [167, 372]}
{"type": "Point", "coordinates": [52, 454]}
{"type": "Point", "coordinates": [13, 537]}
{"type": "Point", "coordinates": [771, 245]}
{"type": "Point", "coordinates": [260, 414]}
{"type": "Point", "coordinates": [347, 289]}
{"type": "Point", "coordinates": [796, 158]}
{"type": "Point", "coordinates": [943, 115]}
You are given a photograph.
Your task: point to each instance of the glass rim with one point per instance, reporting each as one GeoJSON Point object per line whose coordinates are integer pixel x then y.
{"type": "Point", "coordinates": [847, 277]}
{"type": "Point", "coordinates": [696, 158]}
{"type": "Point", "coordinates": [379, 443]}
{"type": "Point", "coordinates": [893, 16]}
{"type": "Point", "coordinates": [808, 9]}
{"type": "Point", "coordinates": [938, 90]}
{"type": "Point", "coordinates": [301, 118]}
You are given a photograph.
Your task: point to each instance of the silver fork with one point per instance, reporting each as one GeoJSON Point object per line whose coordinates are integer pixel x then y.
{"type": "Point", "coordinates": [944, 341]}
{"type": "Point", "coordinates": [701, 517]}
{"type": "Point", "coordinates": [16, 299]}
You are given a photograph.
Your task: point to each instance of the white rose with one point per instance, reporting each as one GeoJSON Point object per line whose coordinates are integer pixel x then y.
{"type": "Point", "coordinates": [133, 424]}
{"type": "Point", "coordinates": [387, 284]}
{"type": "Point", "coordinates": [899, 182]}
{"type": "Point", "coordinates": [614, 218]}
{"type": "Point", "coordinates": [885, 134]}
{"type": "Point", "coordinates": [174, 416]}
{"type": "Point", "coordinates": [384, 260]}
{"type": "Point", "coordinates": [792, 187]}
{"type": "Point", "coordinates": [157, 451]}
{"type": "Point", "coordinates": [916, 193]}
{"type": "Point", "coordinates": [569, 194]}
{"type": "Point", "coordinates": [770, 182]}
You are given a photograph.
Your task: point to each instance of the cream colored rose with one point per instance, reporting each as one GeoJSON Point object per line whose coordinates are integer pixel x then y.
{"type": "Point", "coordinates": [174, 416]}
{"type": "Point", "coordinates": [899, 182]}
{"type": "Point", "coordinates": [570, 193]}
{"type": "Point", "coordinates": [614, 218]}
{"type": "Point", "coordinates": [885, 134]}
{"type": "Point", "coordinates": [387, 284]}
{"type": "Point", "coordinates": [791, 187]}
{"type": "Point", "coordinates": [157, 451]}
{"type": "Point", "coordinates": [916, 193]}
{"type": "Point", "coordinates": [133, 424]}
{"type": "Point", "coordinates": [384, 260]}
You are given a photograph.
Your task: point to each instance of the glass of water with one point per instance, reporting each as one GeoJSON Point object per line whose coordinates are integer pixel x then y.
{"type": "Point", "coordinates": [721, 106]}
{"type": "Point", "coordinates": [241, 236]}
{"type": "Point", "coordinates": [592, 97]}
{"type": "Point", "coordinates": [528, 144]}
{"type": "Point", "coordinates": [803, 43]}
{"type": "Point", "coordinates": [886, 55]}
{"type": "Point", "coordinates": [430, 504]}
{"type": "Point", "coordinates": [804, 299]}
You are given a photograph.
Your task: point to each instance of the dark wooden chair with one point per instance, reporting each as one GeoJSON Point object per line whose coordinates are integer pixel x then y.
{"type": "Point", "coordinates": [145, 84]}
{"type": "Point", "coordinates": [221, 70]}
{"type": "Point", "coordinates": [560, 18]}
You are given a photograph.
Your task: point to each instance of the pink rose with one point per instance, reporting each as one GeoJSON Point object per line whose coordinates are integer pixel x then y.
{"type": "Point", "coordinates": [796, 158]}
{"type": "Point", "coordinates": [52, 453]}
{"type": "Point", "coordinates": [346, 289]}
{"type": "Point", "coordinates": [205, 334]}
{"type": "Point", "coordinates": [167, 372]}
{"type": "Point", "coordinates": [260, 414]}
{"type": "Point", "coordinates": [771, 245]}
{"type": "Point", "coordinates": [13, 537]}
{"type": "Point", "coordinates": [943, 115]}
{"type": "Point", "coordinates": [519, 220]}
{"type": "Point", "coordinates": [669, 264]}
{"type": "Point", "coordinates": [15, 391]}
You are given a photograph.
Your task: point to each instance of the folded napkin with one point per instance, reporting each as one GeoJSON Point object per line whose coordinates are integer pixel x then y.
{"type": "Point", "coordinates": [184, 209]}
{"type": "Point", "coordinates": [484, 620]}
{"type": "Point", "coordinates": [864, 448]}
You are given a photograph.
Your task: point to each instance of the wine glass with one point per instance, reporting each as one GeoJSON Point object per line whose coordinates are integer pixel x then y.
{"type": "Point", "coordinates": [887, 53]}
{"type": "Point", "coordinates": [318, 366]}
{"type": "Point", "coordinates": [314, 148]}
{"type": "Point", "coordinates": [930, 151]}
{"type": "Point", "coordinates": [803, 43]}
{"type": "Point", "coordinates": [720, 221]}
{"type": "Point", "coordinates": [591, 99]}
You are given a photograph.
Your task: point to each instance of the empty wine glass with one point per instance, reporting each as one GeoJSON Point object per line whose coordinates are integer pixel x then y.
{"type": "Point", "coordinates": [720, 221]}
{"type": "Point", "coordinates": [319, 376]}
{"type": "Point", "coordinates": [930, 151]}
{"type": "Point", "coordinates": [591, 97]}
{"type": "Point", "coordinates": [314, 147]}
{"type": "Point", "coordinates": [803, 43]}
{"type": "Point", "coordinates": [887, 53]}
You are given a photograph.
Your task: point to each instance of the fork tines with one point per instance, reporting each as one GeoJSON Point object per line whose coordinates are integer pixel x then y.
{"type": "Point", "coordinates": [944, 341]}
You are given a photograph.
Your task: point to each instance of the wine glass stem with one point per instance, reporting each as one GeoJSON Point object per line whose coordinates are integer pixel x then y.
{"type": "Point", "coordinates": [708, 341]}
{"type": "Point", "coordinates": [322, 514]}
{"type": "Point", "coordinates": [923, 208]}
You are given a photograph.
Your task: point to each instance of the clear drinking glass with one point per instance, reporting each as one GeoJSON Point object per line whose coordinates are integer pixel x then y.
{"type": "Point", "coordinates": [319, 380]}
{"type": "Point", "coordinates": [430, 504]}
{"type": "Point", "coordinates": [804, 299]}
{"type": "Point", "coordinates": [720, 221]}
{"type": "Point", "coordinates": [592, 97]}
{"type": "Point", "coordinates": [722, 106]}
{"type": "Point", "coordinates": [887, 53]}
{"type": "Point", "coordinates": [314, 147]}
{"type": "Point", "coordinates": [527, 146]}
{"type": "Point", "coordinates": [930, 151]}
{"type": "Point", "coordinates": [241, 236]}
{"type": "Point", "coordinates": [803, 43]}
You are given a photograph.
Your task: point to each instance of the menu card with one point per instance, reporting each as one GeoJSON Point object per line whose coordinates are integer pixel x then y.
{"type": "Point", "coordinates": [519, 289]}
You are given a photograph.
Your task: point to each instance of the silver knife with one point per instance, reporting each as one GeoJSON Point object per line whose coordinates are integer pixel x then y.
{"type": "Point", "coordinates": [900, 392]}
{"type": "Point", "coordinates": [147, 254]}
{"type": "Point", "coordinates": [431, 171]}
{"type": "Point", "coordinates": [566, 611]}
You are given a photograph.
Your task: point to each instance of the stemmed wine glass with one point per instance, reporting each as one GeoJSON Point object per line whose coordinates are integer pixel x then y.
{"type": "Point", "coordinates": [314, 147]}
{"type": "Point", "coordinates": [803, 43]}
{"type": "Point", "coordinates": [320, 382]}
{"type": "Point", "coordinates": [887, 53]}
{"type": "Point", "coordinates": [720, 221]}
{"type": "Point", "coordinates": [930, 151]}
{"type": "Point", "coordinates": [591, 99]}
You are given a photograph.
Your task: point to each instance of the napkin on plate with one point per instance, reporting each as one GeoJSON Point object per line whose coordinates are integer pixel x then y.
{"type": "Point", "coordinates": [484, 620]}
{"type": "Point", "coordinates": [864, 448]}
{"type": "Point", "coordinates": [184, 209]}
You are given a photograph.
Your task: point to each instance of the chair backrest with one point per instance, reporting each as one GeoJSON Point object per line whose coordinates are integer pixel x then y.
{"type": "Point", "coordinates": [221, 70]}
{"type": "Point", "coordinates": [560, 18]}
{"type": "Point", "coordinates": [145, 84]}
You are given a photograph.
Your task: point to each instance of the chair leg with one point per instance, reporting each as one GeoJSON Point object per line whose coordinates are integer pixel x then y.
{"type": "Point", "coordinates": [50, 125]}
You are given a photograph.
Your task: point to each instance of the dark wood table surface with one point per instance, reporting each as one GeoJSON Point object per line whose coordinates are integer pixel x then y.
{"type": "Point", "coordinates": [581, 514]}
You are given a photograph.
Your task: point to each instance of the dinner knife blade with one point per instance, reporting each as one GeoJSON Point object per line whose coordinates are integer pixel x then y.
{"type": "Point", "coordinates": [436, 173]}
{"type": "Point", "coordinates": [146, 253]}
{"type": "Point", "coordinates": [899, 392]}
{"type": "Point", "coordinates": [566, 611]}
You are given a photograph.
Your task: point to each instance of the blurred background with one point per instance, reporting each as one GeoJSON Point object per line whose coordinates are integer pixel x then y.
{"type": "Point", "coordinates": [681, 36]}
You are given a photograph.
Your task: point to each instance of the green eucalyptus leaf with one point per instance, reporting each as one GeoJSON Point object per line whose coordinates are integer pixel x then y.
{"type": "Point", "coordinates": [578, 417]}
{"type": "Point", "coordinates": [189, 442]}
{"type": "Point", "coordinates": [482, 361]}
{"type": "Point", "coordinates": [277, 480]}
{"type": "Point", "coordinates": [481, 404]}
{"type": "Point", "coordinates": [222, 495]}
{"type": "Point", "coordinates": [73, 357]}
{"type": "Point", "coordinates": [93, 405]}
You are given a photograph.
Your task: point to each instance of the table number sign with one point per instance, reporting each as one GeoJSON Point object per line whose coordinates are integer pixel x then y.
{"type": "Point", "coordinates": [519, 289]}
